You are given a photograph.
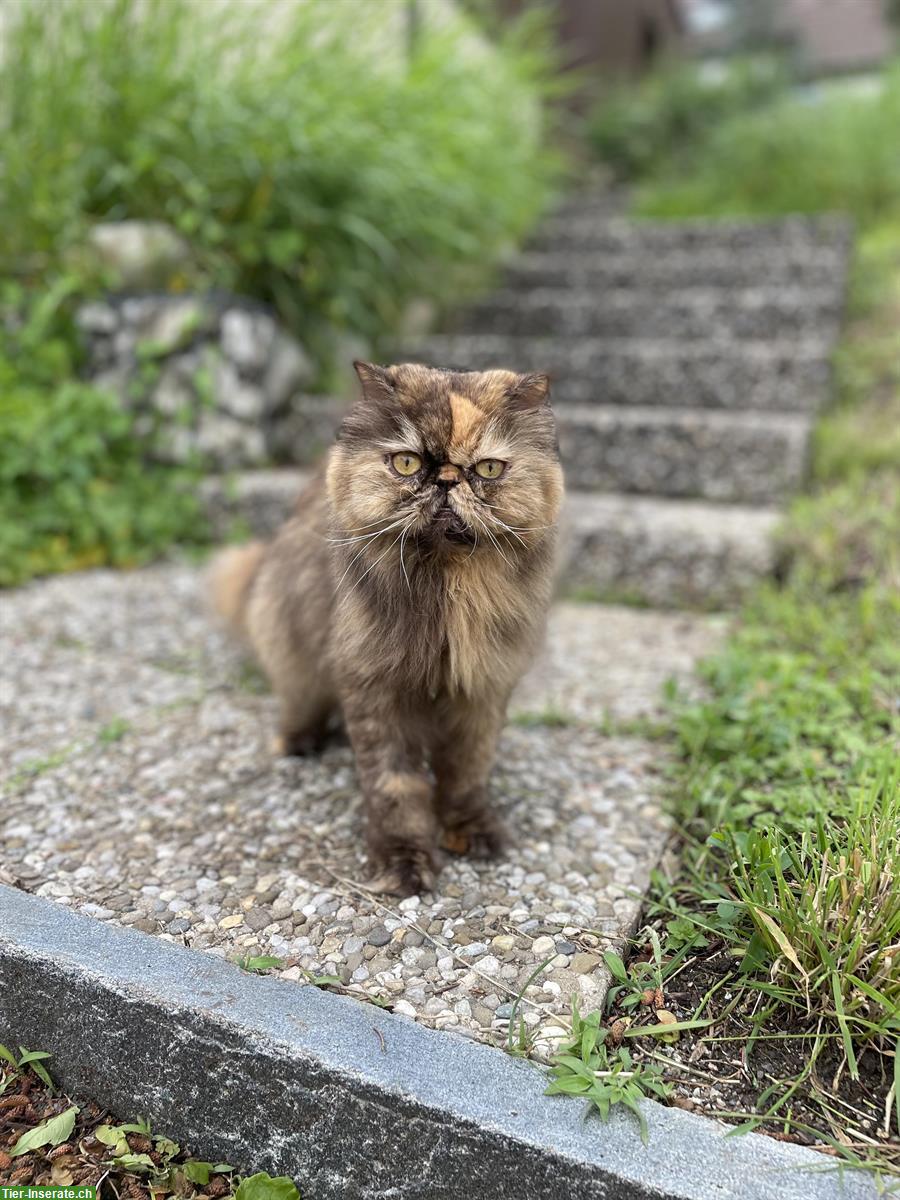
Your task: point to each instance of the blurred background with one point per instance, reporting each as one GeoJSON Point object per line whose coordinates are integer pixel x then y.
{"type": "Point", "coordinates": [208, 208]}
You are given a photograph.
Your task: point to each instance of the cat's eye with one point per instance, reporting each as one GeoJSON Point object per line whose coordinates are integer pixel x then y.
{"type": "Point", "coordinates": [406, 463]}
{"type": "Point", "coordinates": [490, 468]}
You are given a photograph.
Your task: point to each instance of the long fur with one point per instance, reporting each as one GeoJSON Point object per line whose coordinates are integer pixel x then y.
{"type": "Point", "coordinates": [411, 605]}
{"type": "Point", "coordinates": [230, 577]}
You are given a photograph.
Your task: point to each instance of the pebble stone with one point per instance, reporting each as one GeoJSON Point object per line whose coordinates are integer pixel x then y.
{"type": "Point", "coordinates": [187, 828]}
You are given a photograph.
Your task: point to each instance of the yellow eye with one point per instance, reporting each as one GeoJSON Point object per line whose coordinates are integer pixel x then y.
{"type": "Point", "coordinates": [405, 463]}
{"type": "Point", "coordinates": [490, 468]}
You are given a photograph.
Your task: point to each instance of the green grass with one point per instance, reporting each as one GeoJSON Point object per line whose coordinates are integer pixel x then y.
{"type": "Point", "coordinates": [636, 127]}
{"type": "Point", "coordinates": [835, 154]}
{"type": "Point", "coordinates": [788, 790]}
{"type": "Point", "coordinates": [309, 159]}
{"type": "Point", "coordinates": [825, 909]}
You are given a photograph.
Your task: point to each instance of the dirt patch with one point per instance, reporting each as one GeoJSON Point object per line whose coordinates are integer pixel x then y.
{"type": "Point", "coordinates": [783, 1075]}
{"type": "Point", "coordinates": [158, 1166]}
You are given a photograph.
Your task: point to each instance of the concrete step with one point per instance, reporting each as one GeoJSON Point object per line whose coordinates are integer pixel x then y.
{"type": "Point", "coordinates": [820, 267]}
{"type": "Point", "coordinates": [748, 312]}
{"type": "Point", "coordinates": [734, 457]}
{"type": "Point", "coordinates": [666, 553]}
{"type": "Point", "coordinates": [790, 375]}
{"type": "Point", "coordinates": [587, 231]}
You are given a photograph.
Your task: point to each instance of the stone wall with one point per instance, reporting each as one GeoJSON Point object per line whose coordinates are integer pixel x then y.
{"type": "Point", "coordinates": [217, 375]}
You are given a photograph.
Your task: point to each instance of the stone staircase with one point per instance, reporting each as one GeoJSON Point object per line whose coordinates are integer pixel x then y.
{"type": "Point", "coordinates": [688, 362]}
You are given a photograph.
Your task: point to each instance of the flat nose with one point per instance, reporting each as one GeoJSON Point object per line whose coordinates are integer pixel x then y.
{"type": "Point", "coordinates": [449, 475]}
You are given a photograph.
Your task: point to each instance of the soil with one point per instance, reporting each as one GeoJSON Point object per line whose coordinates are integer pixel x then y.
{"type": "Point", "coordinates": [721, 1070]}
{"type": "Point", "coordinates": [26, 1102]}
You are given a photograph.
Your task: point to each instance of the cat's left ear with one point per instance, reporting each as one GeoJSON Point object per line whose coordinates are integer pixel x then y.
{"type": "Point", "coordinates": [528, 391]}
{"type": "Point", "coordinates": [377, 382]}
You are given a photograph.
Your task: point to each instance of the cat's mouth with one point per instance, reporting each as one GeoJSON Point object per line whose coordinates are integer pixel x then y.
{"type": "Point", "coordinates": [451, 527]}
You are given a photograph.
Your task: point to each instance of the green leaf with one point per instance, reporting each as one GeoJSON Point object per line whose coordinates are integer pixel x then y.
{"type": "Point", "coordinates": [324, 980]}
{"type": "Point", "coordinates": [32, 1058]}
{"type": "Point", "coordinates": [7, 1055]}
{"type": "Point", "coordinates": [570, 1085]}
{"type": "Point", "coordinates": [263, 1187]}
{"type": "Point", "coordinates": [53, 1132]}
{"type": "Point", "coordinates": [616, 966]}
{"type": "Point", "coordinates": [197, 1172]}
{"type": "Point", "coordinates": [261, 962]}
{"type": "Point", "coordinates": [135, 1162]}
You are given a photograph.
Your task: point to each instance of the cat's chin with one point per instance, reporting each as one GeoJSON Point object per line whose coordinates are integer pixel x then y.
{"type": "Point", "coordinates": [449, 529]}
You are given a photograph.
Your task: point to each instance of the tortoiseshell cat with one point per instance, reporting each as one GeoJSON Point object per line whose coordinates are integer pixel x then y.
{"type": "Point", "coordinates": [408, 591]}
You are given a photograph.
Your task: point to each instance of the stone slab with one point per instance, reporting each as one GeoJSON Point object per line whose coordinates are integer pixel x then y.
{"type": "Point", "coordinates": [790, 375]}
{"type": "Point", "coordinates": [637, 268]}
{"type": "Point", "coordinates": [184, 825]}
{"type": "Point", "coordinates": [665, 552]}
{"type": "Point", "coordinates": [747, 312]}
{"type": "Point", "coordinates": [352, 1102]}
{"type": "Point", "coordinates": [587, 230]}
{"type": "Point", "coordinates": [731, 457]}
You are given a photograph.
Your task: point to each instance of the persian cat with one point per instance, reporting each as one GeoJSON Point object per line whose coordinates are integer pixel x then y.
{"type": "Point", "coordinates": [407, 593]}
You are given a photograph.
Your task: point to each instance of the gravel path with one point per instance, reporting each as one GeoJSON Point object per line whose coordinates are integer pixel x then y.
{"type": "Point", "coordinates": [138, 787]}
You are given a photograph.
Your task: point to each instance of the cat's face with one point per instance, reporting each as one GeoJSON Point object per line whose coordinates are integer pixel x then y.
{"type": "Point", "coordinates": [446, 462]}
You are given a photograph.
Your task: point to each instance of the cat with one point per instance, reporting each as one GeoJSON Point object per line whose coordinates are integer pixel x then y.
{"type": "Point", "coordinates": [408, 592]}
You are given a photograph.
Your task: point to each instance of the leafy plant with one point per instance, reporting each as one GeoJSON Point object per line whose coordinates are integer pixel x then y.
{"type": "Point", "coordinates": [78, 488]}
{"type": "Point", "coordinates": [606, 1076]}
{"type": "Point", "coordinates": [834, 153]}
{"type": "Point", "coordinates": [307, 156]}
{"type": "Point", "coordinates": [637, 127]}
{"type": "Point", "coordinates": [263, 1186]}
{"type": "Point", "coordinates": [258, 964]}
{"type": "Point", "coordinates": [28, 1058]}
{"type": "Point", "coordinates": [153, 1155]}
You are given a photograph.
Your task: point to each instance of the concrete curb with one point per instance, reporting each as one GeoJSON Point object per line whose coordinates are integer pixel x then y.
{"type": "Point", "coordinates": [353, 1102]}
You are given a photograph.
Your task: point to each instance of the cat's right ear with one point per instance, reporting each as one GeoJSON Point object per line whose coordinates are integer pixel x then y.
{"type": "Point", "coordinates": [377, 382]}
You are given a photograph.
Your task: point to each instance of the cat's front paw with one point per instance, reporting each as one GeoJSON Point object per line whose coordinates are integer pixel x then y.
{"type": "Point", "coordinates": [404, 871]}
{"type": "Point", "coordinates": [481, 836]}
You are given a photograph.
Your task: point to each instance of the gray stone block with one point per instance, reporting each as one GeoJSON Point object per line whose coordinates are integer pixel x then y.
{"type": "Point", "coordinates": [352, 1102]}
{"type": "Point", "coordinates": [732, 457]}
{"type": "Point", "coordinates": [665, 553]}
{"type": "Point", "coordinates": [585, 231]}
{"type": "Point", "coordinates": [822, 268]}
{"type": "Point", "coordinates": [778, 375]}
{"type": "Point", "coordinates": [749, 312]}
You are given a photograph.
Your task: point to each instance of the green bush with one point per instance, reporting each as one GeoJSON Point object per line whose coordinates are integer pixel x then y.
{"type": "Point", "coordinates": [306, 155]}
{"type": "Point", "coordinates": [636, 128]}
{"type": "Point", "coordinates": [76, 487]}
{"type": "Point", "coordinates": [837, 152]}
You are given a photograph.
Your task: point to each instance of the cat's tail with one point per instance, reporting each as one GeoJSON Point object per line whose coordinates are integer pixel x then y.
{"type": "Point", "coordinates": [230, 576]}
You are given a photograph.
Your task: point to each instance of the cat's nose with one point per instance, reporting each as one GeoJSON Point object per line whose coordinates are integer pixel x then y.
{"type": "Point", "coordinates": [448, 476]}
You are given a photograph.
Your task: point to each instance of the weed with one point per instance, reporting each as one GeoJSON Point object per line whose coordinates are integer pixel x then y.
{"type": "Point", "coordinates": [825, 909]}
{"type": "Point", "coordinates": [836, 154]}
{"type": "Point", "coordinates": [259, 964]}
{"type": "Point", "coordinates": [605, 1075]}
{"type": "Point", "coordinates": [357, 164]}
{"type": "Point", "coordinates": [113, 731]}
